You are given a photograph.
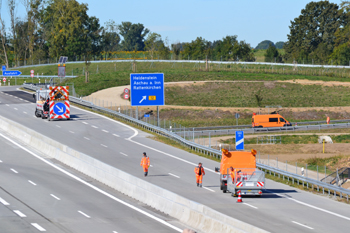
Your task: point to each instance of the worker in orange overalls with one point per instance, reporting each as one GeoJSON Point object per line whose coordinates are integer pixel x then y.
{"type": "Point", "coordinates": [232, 174]}
{"type": "Point", "coordinates": [199, 174]}
{"type": "Point", "coordinates": [145, 163]}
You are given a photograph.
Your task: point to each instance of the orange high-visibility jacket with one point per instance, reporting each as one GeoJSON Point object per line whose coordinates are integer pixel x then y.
{"type": "Point", "coordinates": [196, 170]}
{"type": "Point", "coordinates": [145, 162]}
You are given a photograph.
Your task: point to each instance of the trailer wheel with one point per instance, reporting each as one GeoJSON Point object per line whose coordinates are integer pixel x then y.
{"type": "Point", "coordinates": [37, 113]}
{"type": "Point", "coordinates": [224, 191]}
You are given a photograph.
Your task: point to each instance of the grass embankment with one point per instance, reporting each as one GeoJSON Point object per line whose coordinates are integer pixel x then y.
{"type": "Point", "coordinates": [297, 139]}
{"type": "Point", "coordinates": [105, 75]}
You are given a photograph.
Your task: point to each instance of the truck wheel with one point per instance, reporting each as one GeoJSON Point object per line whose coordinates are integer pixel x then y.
{"type": "Point", "coordinates": [224, 191]}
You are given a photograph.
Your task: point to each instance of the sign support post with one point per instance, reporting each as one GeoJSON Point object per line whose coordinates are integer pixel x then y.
{"type": "Point", "coordinates": [158, 116]}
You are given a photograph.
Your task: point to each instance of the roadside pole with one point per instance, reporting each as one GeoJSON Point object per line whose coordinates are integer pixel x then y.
{"type": "Point", "coordinates": [158, 116]}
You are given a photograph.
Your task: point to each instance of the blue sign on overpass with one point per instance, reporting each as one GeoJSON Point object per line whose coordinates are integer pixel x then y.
{"type": "Point", "coordinates": [11, 73]}
{"type": "Point", "coordinates": [147, 89]}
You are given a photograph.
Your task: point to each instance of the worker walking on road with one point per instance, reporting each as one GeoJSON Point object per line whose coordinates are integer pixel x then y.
{"type": "Point", "coordinates": [199, 174]}
{"type": "Point", "coordinates": [145, 163]}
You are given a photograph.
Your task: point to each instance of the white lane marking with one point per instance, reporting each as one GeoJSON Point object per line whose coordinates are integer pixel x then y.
{"type": "Point", "coordinates": [26, 101]}
{"type": "Point", "coordinates": [37, 226]}
{"type": "Point", "coordinates": [84, 214]}
{"type": "Point", "coordinates": [104, 145]}
{"type": "Point", "coordinates": [4, 202]}
{"type": "Point", "coordinates": [94, 187]}
{"type": "Point", "coordinates": [31, 103]}
{"type": "Point", "coordinates": [20, 99]}
{"type": "Point", "coordinates": [0, 161]}
{"type": "Point", "coordinates": [311, 206]}
{"type": "Point", "coordinates": [302, 225]}
{"type": "Point", "coordinates": [94, 126]}
{"type": "Point", "coordinates": [116, 135]}
{"type": "Point", "coordinates": [16, 97]}
{"type": "Point", "coordinates": [71, 131]}
{"type": "Point", "coordinates": [172, 156]}
{"type": "Point", "coordinates": [125, 125]}
{"type": "Point", "coordinates": [209, 189]}
{"type": "Point", "coordinates": [151, 165]}
{"type": "Point", "coordinates": [105, 131]}
{"type": "Point", "coordinates": [15, 108]}
{"type": "Point", "coordinates": [25, 112]}
{"type": "Point", "coordinates": [19, 213]}
{"type": "Point", "coordinates": [85, 123]}
{"type": "Point", "coordinates": [87, 138]}
{"type": "Point", "coordinates": [14, 170]}
{"type": "Point", "coordinates": [7, 105]}
{"type": "Point", "coordinates": [250, 205]}
{"type": "Point", "coordinates": [123, 154]}
{"type": "Point", "coordinates": [115, 232]}
{"type": "Point", "coordinates": [32, 182]}
{"type": "Point", "coordinates": [174, 175]}
{"type": "Point", "coordinates": [58, 126]}
{"type": "Point", "coordinates": [54, 197]}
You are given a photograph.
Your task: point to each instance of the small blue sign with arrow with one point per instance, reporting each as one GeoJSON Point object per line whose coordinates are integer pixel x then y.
{"type": "Point", "coordinates": [146, 115]}
{"type": "Point", "coordinates": [11, 73]}
{"type": "Point", "coordinates": [239, 140]}
{"type": "Point", "coordinates": [3, 68]}
{"type": "Point", "coordinates": [59, 108]}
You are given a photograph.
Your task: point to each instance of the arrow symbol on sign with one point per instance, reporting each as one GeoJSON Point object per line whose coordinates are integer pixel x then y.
{"type": "Point", "coordinates": [59, 109]}
{"type": "Point", "coordinates": [143, 98]}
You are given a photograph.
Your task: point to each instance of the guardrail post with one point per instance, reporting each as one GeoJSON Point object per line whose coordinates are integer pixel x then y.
{"type": "Point", "coordinates": [209, 139]}
{"type": "Point", "coordinates": [325, 173]}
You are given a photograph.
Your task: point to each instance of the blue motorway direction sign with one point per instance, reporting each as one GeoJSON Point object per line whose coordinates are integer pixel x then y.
{"type": "Point", "coordinates": [3, 68]}
{"type": "Point", "coordinates": [11, 73]}
{"type": "Point", "coordinates": [239, 140]}
{"type": "Point", "coordinates": [59, 108]}
{"type": "Point", "coordinates": [147, 89]}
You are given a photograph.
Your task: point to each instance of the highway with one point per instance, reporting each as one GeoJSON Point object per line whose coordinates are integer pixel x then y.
{"type": "Point", "coordinates": [46, 196]}
{"type": "Point", "coordinates": [281, 207]}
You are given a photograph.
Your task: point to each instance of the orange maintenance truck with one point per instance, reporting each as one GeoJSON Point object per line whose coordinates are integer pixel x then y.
{"type": "Point", "coordinates": [238, 172]}
{"type": "Point", "coordinates": [269, 120]}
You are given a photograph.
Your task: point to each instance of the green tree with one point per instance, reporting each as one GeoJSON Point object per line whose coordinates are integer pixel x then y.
{"type": "Point", "coordinates": [279, 45]}
{"type": "Point", "coordinates": [152, 43]}
{"type": "Point", "coordinates": [69, 30]}
{"type": "Point", "coordinates": [341, 52]}
{"type": "Point", "coordinates": [312, 34]}
{"type": "Point", "coordinates": [197, 49]}
{"type": "Point", "coordinates": [133, 36]}
{"type": "Point", "coordinates": [271, 54]}
{"type": "Point", "coordinates": [110, 38]}
{"type": "Point", "coordinates": [264, 44]}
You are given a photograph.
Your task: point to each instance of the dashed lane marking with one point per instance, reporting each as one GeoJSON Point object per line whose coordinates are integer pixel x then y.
{"type": "Point", "coordinates": [94, 126]}
{"type": "Point", "coordinates": [105, 131]}
{"type": "Point", "coordinates": [71, 131]}
{"type": "Point", "coordinates": [32, 182]}
{"type": "Point", "coordinates": [4, 202]}
{"type": "Point", "coordinates": [87, 138]}
{"type": "Point", "coordinates": [84, 214]}
{"type": "Point", "coordinates": [209, 189]}
{"type": "Point", "coordinates": [55, 197]}
{"type": "Point", "coordinates": [104, 145]}
{"type": "Point", "coordinates": [15, 108]}
{"type": "Point", "coordinates": [37, 226]}
{"type": "Point", "coordinates": [58, 126]}
{"type": "Point", "coordinates": [250, 205]}
{"type": "Point", "coordinates": [14, 170]}
{"type": "Point", "coordinates": [123, 154]}
{"type": "Point", "coordinates": [116, 135]}
{"type": "Point", "coordinates": [85, 123]}
{"type": "Point", "coordinates": [19, 213]}
{"type": "Point", "coordinates": [174, 175]}
{"type": "Point", "coordinates": [302, 225]}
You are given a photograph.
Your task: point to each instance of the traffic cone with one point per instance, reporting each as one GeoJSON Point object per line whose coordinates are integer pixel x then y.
{"type": "Point", "coordinates": [239, 200]}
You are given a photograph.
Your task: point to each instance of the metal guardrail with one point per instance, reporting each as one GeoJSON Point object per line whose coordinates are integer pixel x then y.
{"type": "Point", "coordinates": [206, 150]}
{"type": "Point", "coordinates": [197, 61]}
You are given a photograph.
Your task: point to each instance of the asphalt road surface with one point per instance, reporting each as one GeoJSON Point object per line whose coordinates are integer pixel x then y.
{"type": "Point", "coordinates": [46, 196]}
{"type": "Point", "coordinates": [281, 208]}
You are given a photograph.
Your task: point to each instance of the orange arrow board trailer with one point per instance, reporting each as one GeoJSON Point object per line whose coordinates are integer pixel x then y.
{"type": "Point", "coordinates": [245, 172]}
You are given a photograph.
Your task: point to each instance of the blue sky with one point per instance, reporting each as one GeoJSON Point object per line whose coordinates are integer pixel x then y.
{"type": "Point", "coordinates": [184, 20]}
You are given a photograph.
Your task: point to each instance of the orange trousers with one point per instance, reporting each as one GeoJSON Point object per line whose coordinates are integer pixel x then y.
{"type": "Point", "coordinates": [199, 179]}
{"type": "Point", "coordinates": [145, 168]}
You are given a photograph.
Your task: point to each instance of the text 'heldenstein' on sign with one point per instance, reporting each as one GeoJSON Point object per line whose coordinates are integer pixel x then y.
{"type": "Point", "coordinates": [147, 89]}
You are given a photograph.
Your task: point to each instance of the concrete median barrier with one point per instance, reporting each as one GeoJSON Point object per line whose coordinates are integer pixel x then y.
{"type": "Point", "coordinates": [187, 211]}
